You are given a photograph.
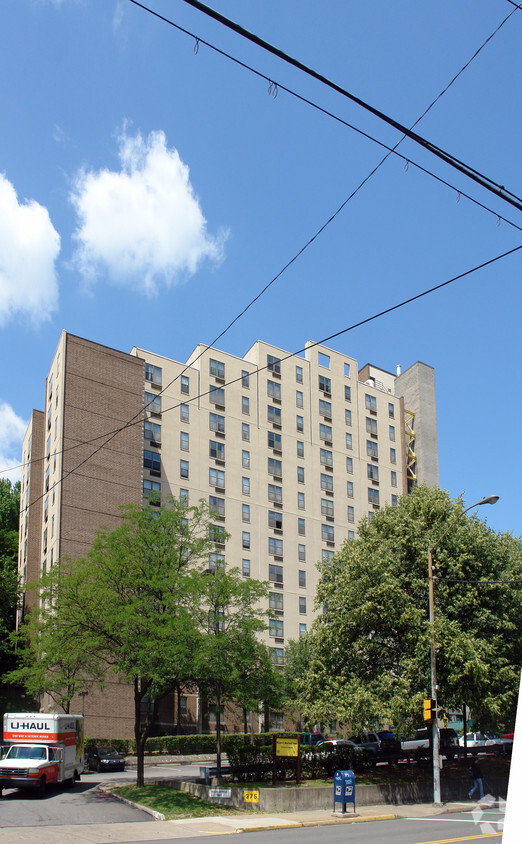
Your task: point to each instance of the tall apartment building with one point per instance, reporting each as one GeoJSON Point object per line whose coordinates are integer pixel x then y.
{"type": "Point", "coordinates": [290, 452]}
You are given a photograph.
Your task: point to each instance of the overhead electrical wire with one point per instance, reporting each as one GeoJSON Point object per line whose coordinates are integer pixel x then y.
{"type": "Point", "coordinates": [453, 161]}
{"type": "Point", "coordinates": [365, 321]}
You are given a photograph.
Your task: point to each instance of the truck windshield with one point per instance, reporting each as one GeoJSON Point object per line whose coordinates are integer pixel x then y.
{"type": "Point", "coordinates": [22, 751]}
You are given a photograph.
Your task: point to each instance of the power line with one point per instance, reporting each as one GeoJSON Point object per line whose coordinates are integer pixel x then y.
{"type": "Point", "coordinates": [135, 421]}
{"type": "Point", "coordinates": [448, 158]}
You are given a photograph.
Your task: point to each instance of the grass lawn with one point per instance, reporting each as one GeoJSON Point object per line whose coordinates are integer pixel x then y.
{"type": "Point", "coordinates": [172, 803]}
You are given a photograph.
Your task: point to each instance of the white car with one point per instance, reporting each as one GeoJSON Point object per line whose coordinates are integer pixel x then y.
{"type": "Point", "coordinates": [483, 742]}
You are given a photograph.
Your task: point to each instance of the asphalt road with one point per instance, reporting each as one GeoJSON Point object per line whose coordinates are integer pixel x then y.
{"type": "Point", "coordinates": [83, 803]}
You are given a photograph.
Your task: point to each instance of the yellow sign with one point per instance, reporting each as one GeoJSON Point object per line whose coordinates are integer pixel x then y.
{"type": "Point", "coordinates": [251, 796]}
{"type": "Point", "coordinates": [287, 747]}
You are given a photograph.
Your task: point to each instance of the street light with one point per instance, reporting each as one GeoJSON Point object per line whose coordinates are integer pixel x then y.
{"type": "Point", "coordinates": [491, 499]}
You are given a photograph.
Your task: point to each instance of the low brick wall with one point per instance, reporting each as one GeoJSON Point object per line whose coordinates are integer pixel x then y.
{"type": "Point", "coordinates": [321, 797]}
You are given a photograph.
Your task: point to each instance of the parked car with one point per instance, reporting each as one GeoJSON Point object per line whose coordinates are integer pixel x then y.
{"type": "Point", "coordinates": [105, 759]}
{"type": "Point", "coordinates": [311, 738]}
{"type": "Point", "coordinates": [449, 741]}
{"type": "Point", "coordinates": [478, 742]}
{"type": "Point", "coordinates": [335, 742]}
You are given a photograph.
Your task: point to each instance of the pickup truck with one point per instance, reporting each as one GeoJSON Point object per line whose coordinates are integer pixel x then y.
{"type": "Point", "coordinates": [380, 746]}
{"type": "Point", "coordinates": [449, 742]}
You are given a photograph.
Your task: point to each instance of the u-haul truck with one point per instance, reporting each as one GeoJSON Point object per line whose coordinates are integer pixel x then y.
{"type": "Point", "coordinates": [40, 749]}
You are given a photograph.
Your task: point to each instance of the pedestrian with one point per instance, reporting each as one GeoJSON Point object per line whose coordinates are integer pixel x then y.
{"type": "Point", "coordinates": [477, 777]}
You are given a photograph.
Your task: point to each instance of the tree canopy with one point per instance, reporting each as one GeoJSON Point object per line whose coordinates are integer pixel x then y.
{"type": "Point", "coordinates": [369, 660]}
{"type": "Point", "coordinates": [9, 515]}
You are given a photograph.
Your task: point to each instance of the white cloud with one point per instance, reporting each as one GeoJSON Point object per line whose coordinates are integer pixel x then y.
{"type": "Point", "coordinates": [13, 431]}
{"type": "Point", "coordinates": [142, 225]}
{"type": "Point", "coordinates": [29, 247]}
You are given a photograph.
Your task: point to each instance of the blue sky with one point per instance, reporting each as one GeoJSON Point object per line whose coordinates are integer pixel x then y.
{"type": "Point", "coordinates": [149, 190]}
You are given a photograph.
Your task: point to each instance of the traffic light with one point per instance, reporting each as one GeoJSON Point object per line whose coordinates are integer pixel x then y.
{"type": "Point", "coordinates": [430, 710]}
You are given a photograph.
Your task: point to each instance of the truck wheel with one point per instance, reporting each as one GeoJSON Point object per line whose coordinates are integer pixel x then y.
{"type": "Point", "coordinates": [1, 789]}
{"type": "Point", "coordinates": [41, 787]}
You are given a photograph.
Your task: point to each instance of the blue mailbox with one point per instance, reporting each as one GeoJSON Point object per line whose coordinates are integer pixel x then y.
{"type": "Point", "coordinates": [344, 789]}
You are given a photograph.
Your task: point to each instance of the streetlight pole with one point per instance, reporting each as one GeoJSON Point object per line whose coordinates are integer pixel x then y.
{"type": "Point", "coordinates": [491, 499]}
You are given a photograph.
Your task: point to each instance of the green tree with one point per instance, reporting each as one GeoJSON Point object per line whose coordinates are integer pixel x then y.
{"type": "Point", "coordinates": [298, 654]}
{"type": "Point", "coordinates": [370, 647]}
{"type": "Point", "coordinates": [128, 605]}
{"type": "Point", "coordinates": [9, 592]}
{"type": "Point", "coordinates": [230, 660]}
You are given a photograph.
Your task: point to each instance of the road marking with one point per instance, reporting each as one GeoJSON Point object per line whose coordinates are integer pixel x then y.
{"type": "Point", "coordinates": [449, 820]}
{"type": "Point", "coordinates": [466, 838]}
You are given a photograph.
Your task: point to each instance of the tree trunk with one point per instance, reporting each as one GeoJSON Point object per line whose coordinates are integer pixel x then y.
{"type": "Point", "coordinates": [218, 729]}
{"type": "Point", "coordinates": [178, 706]}
{"type": "Point", "coordinates": [138, 735]}
{"type": "Point", "coordinates": [245, 723]}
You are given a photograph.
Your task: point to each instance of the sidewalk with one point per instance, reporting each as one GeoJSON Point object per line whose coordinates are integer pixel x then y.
{"type": "Point", "coordinates": [122, 833]}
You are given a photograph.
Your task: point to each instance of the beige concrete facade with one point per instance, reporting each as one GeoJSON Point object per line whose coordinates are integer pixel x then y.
{"type": "Point", "coordinates": [291, 452]}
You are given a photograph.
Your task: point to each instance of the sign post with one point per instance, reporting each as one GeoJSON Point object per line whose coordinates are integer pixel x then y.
{"type": "Point", "coordinates": [286, 748]}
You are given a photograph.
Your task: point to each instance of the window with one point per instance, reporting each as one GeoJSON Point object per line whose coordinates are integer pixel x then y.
{"type": "Point", "coordinates": [275, 600]}
{"type": "Point", "coordinates": [325, 384]}
{"type": "Point", "coordinates": [277, 657]}
{"type": "Point", "coordinates": [216, 477]}
{"type": "Point", "coordinates": [274, 414]}
{"type": "Point", "coordinates": [302, 606]}
{"type": "Point", "coordinates": [299, 424]}
{"type": "Point", "coordinates": [153, 403]}
{"type": "Point", "coordinates": [394, 500]}
{"type": "Point", "coordinates": [348, 441]}
{"type": "Point", "coordinates": [152, 490]}
{"type": "Point", "coordinates": [152, 431]}
{"type": "Point", "coordinates": [152, 373]}
{"type": "Point", "coordinates": [151, 460]}
{"type": "Point", "coordinates": [275, 546]}
{"type": "Point", "coordinates": [348, 417]}
{"type": "Point", "coordinates": [274, 440]}
{"type": "Point", "coordinates": [347, 393]}
{"type": "Point", "coordinates": [275, 520]}
{"type": "Point", "coordinates": [302, 578]}
{"type": "Point", "coordinates": [391, 410]}
{"type": "Point", "coordinates": [301, 529]}
{"type": "Point", "coordinates": [302, 630]}
{"type": "Point", "coordinates": [327, 507]}
{"type": "Point", "coordinates": [216, 394]}
{"type": "Point", "coordinates": [327, 482]}
{"type": "Point", "coordinates": [373, 496]}
{"type": "Point", "coordinates": [245, 568]}
{"type": "Point", "coordinates": [275, 493]}
{"type": "Point", "coordinates": [349, 465]}
{"type": "Point", "coordinates": [273, 364]}
{"type": "Point", "coordinates": [184, 495]}
{"type": "Point", "coordinates": [392, 433]}
{"type": "Point", "coordinates": [351, 534]}
{"type": "Point", "coordinates": [245, 379]}
{"type": "Point", "coordinates": [323, 360]}
{"type": "Point", "coordinates": [245, 459]}
{"type": "Point", "coordinates": [300, 448]}
{"type": "Point", "coordinates": [275, 573]}
{"type": "Point", "coordinates": [216, 450]}
{"type": "Point", "coordinates": [370, 403]}
{"type": "Point", "coordinates": [184, 412]}
{"type": "Point", "coordinates": [393, 455]}
{"type": "Point", "coordinates": [327, 533]}
{"type": "Point", "coordinates": [301, 500]}
{"type": "Point", "coordinates": [246, 539]}
{"type": "Point", "coordinates": [371, 426]}
{"type": "Point", "coordinates": [373, 472]}
{"type": "Point", "coordinates": [183, 468]}
{"type": "Point", "coordinates": [301, 553]}
{"type": "Point", "coordinates": [346, 370]}
{"type": "Point", "coordinates": [245, 486]}
{"type": "Point", "coordinates": [372, 449]}
{"type": "Point", "coordinates": [300, 475]}
{"type": "Point", "coordinates": [275, 467]}
{"type": "Point", "coordinates": [245, 431]}
{"type": "Point", "coordinates": [216, 422]}
{"type": "Point", "coordinates": [349, 489]}
{"type": "Point", "coordinates": [245, 512]}
{"type": "Point", "coordinates": [185, 384]}
{"type": "Point", "coordinates": [351, 513]}
{"type": "Point", "coordinates": [299, 374]}
{"type": "Point", "coordinates": [325, 432]}
{"type": "Point", "coordinates": [325, 408]}
{"type": "Point", "coordinates": [216, 368]}
{"type": "Point", "coordinates": [394, 478]}
{"type": "Point", "coordinates": [275, 627]}
{"type": "Point", "coordinates": [216, 561]}
{"type": "Point", "coordinates": [326, 555]}
{"type": "Point", "coordinates": [183, 441]}
{"type": "Point", "coordinates": [273, 390]}
{"type": "Point", "coordinates": [326, 457]}
{"type": "Point", "coordinates": [299, 398]}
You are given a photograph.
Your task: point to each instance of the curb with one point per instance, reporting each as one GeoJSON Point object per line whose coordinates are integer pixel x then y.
{"type": "Point", "coordinates": [158, 816]}
{"type": "Point", "coordinates": [303, 824]}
